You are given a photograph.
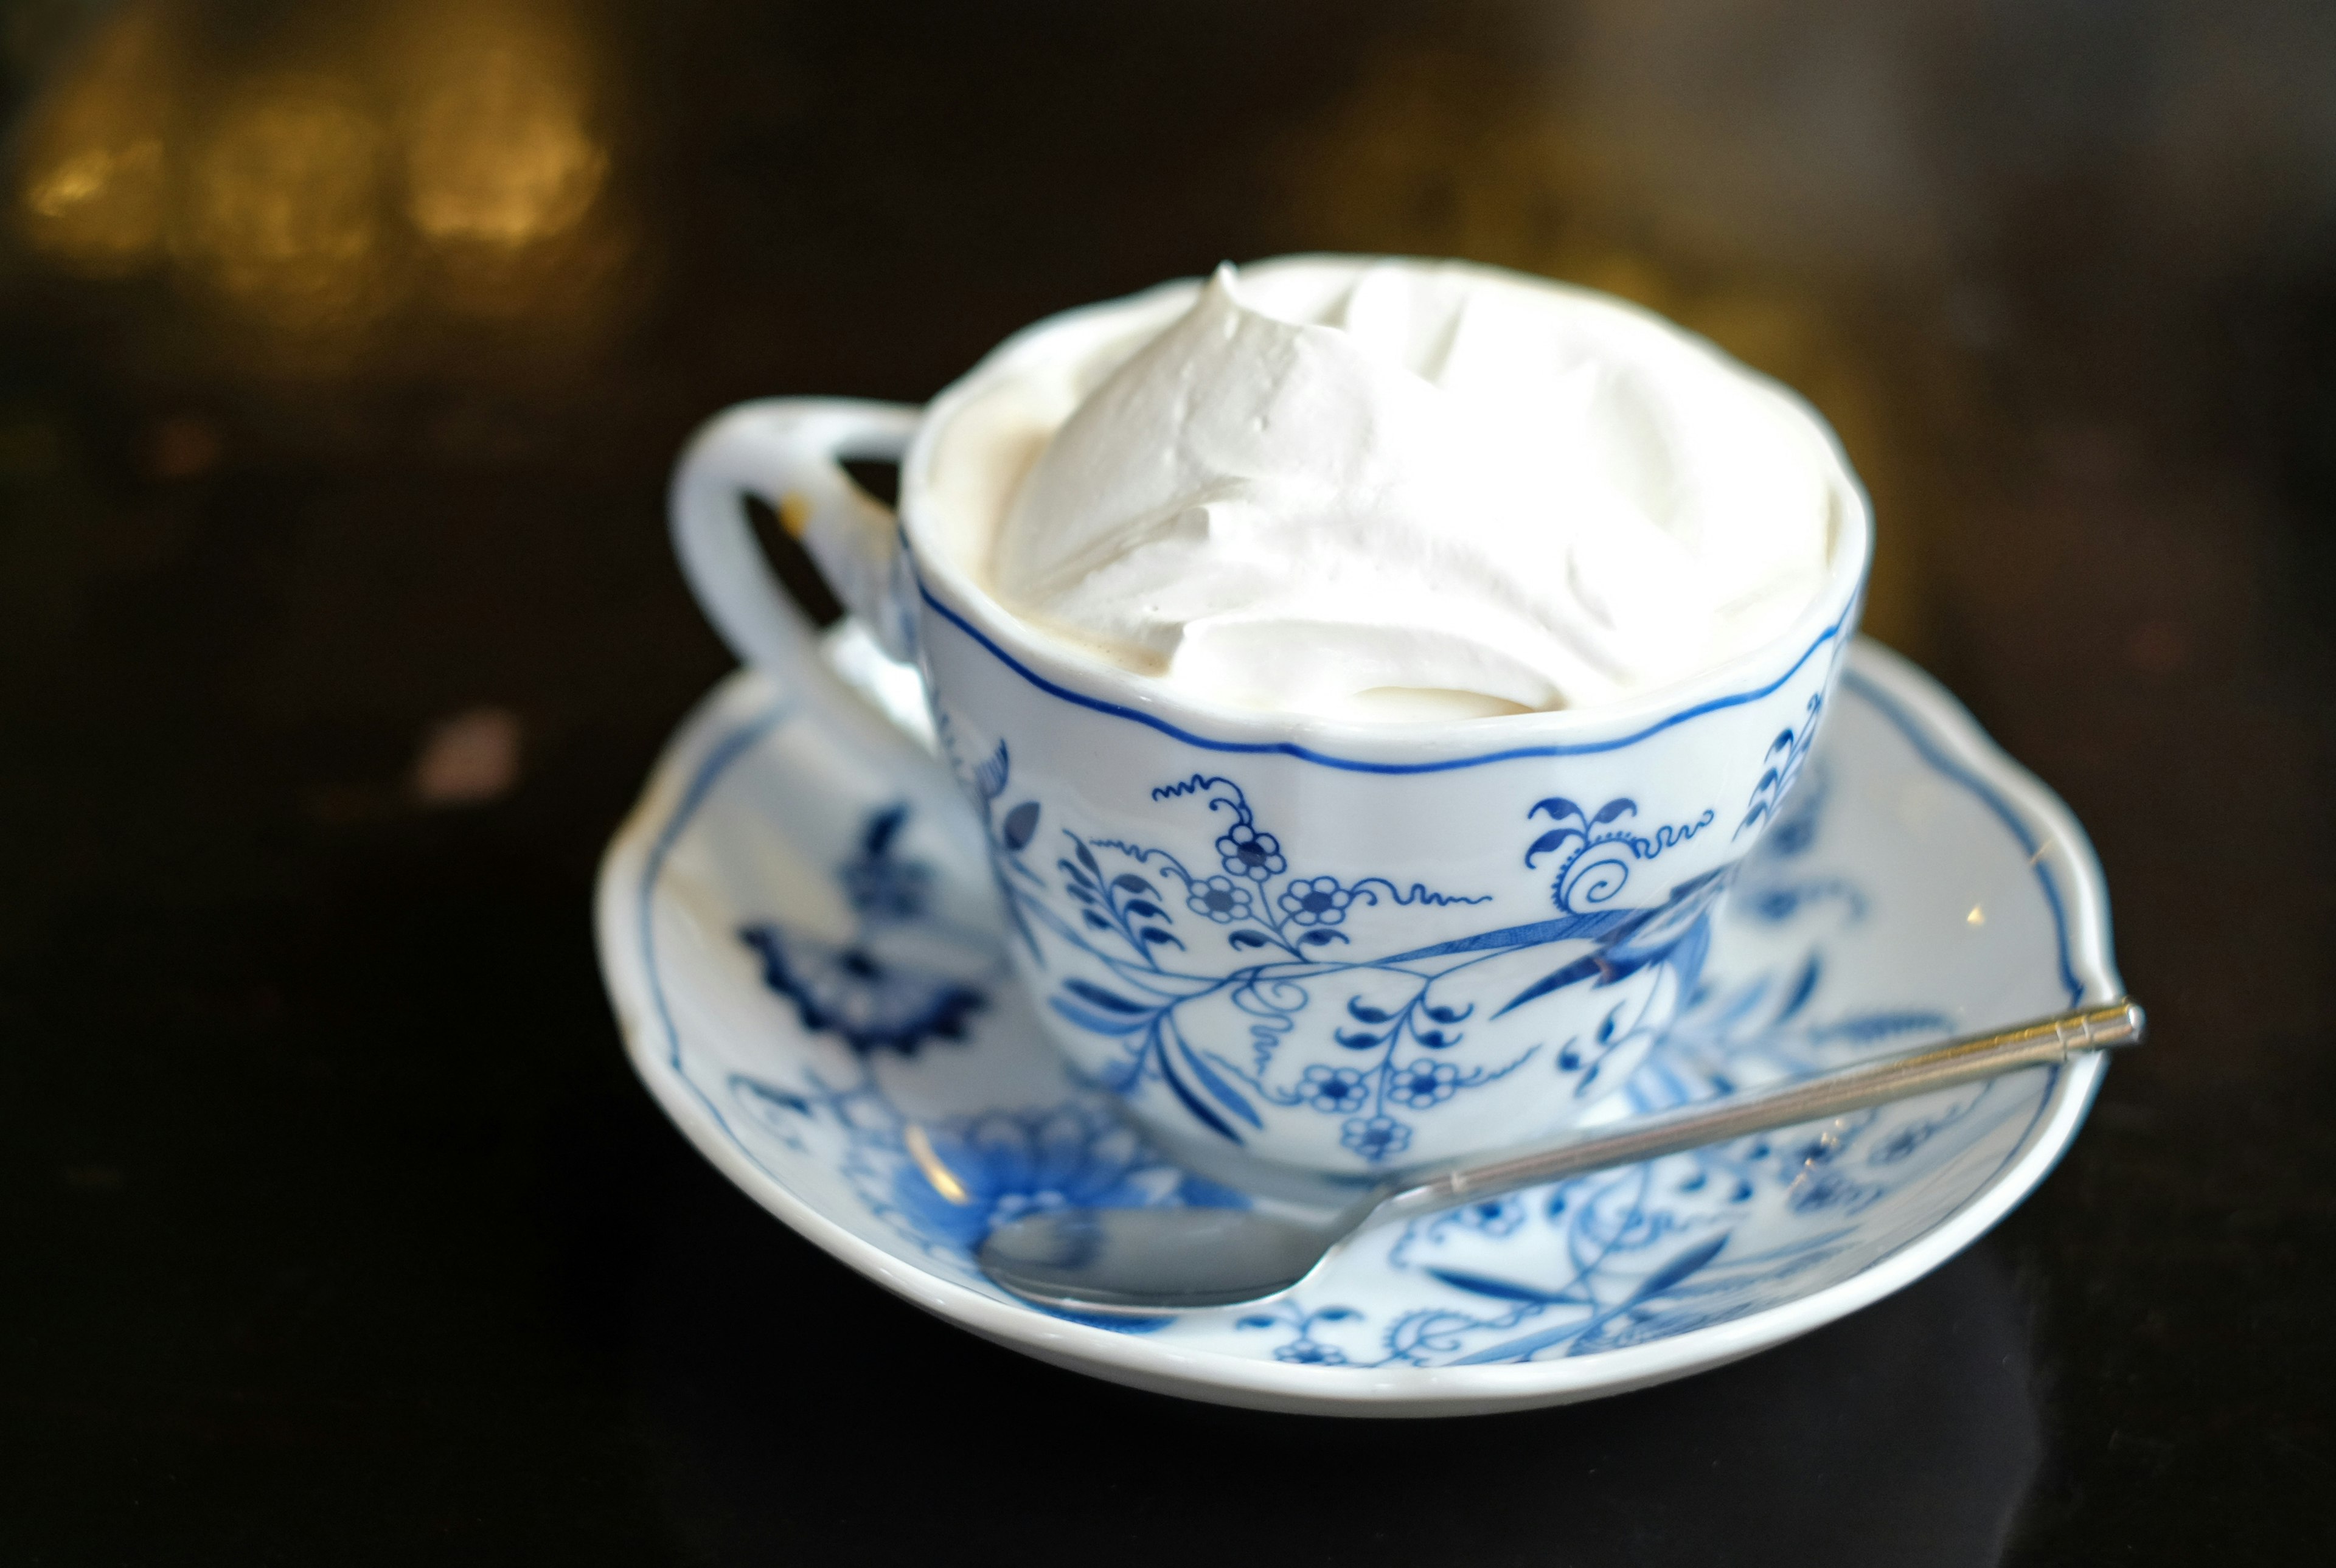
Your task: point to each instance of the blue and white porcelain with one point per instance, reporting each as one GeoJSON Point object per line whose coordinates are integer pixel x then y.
{"type": "Point", "coordinates": [1336, 948]}
{"type": "Point", "coordinates": [813, 978]}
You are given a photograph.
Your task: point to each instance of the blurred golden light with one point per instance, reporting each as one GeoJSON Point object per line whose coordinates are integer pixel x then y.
{"type": "Point", "coordinates": [98, 202]}
{"type": "Point", "coordinates": [505, 163]}
{"type": "Point", "coordinates": [90, 191]}
{"type": "Point", "coordinates": [498, 154]}
{"type": "Point", "coordinates": [449, 160]}
{"type": "Point", "coordinates": [283, 203]}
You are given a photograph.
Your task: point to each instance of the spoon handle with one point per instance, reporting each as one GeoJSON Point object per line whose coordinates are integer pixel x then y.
{"type": "Point", "coordinates": [1964, 1060]}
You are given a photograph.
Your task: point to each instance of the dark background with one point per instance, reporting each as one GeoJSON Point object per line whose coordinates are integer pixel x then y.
{"type": "Point", "coordinates": [343, 351]}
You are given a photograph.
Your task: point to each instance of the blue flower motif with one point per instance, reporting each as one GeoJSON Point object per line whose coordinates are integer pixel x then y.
{"type": "Point", "coordinates": [1311, 1353]}
{"type": "Point", "coordinates": [1375, 1137]}
{"type": "Point", "coordinates": [1816, 1190]}
{"type": "Point", "coordinates": [888, 890]}
{"type": "Point", "coordinates": [1422, 1084]}
{"type": "Point", "coordinates": [874, 1004]}
{"type": "Point", "coordinates": [974, 1173]}
{"type": "Point", "coordinates": [1316, 900]}
{"type": "Point", "coordinates": [1494, 1217]}
{"type": "Point", "coordinates": [1221, 899]}
{"type": "Point", "coordinates": [1250, 853]}
{"type": "Point", "coordinates": [1333, 1089]}
{"type": "Point", "coordinates": [882, 886]}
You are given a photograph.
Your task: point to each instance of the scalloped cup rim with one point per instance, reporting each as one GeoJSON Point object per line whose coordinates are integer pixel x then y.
{"type": "Point", "coordinates": [1410, 1391]}
{"type": "Point", "coordinates": [1831, 613]}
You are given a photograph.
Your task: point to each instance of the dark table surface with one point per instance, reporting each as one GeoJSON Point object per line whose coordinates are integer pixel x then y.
{"type": "Point", "coordinates": [343, 351]}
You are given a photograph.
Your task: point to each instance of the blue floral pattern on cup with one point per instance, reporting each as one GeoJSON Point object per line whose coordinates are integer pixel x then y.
{"type": "Point", "coordinates": [1155, 939]}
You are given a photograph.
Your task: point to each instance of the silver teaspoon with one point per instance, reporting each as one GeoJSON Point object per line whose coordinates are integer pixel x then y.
{"type": "Point", "coordinates": [1139, 1261]}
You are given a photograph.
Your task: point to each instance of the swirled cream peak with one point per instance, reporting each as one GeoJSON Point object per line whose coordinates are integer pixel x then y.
{"type": "Point", "coordinates": [1402, 491]}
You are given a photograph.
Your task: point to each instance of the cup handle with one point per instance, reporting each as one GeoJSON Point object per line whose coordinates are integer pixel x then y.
{"type": "Point", "coordinates": [790, 453]}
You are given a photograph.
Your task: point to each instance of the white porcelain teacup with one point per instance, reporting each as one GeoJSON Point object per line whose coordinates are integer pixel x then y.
{"type": "Point", "coordinates": [1339, 947]}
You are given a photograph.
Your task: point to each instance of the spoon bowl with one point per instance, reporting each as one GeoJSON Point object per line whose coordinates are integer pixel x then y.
{"type": "Point", "coordinates": [1150, 1260]}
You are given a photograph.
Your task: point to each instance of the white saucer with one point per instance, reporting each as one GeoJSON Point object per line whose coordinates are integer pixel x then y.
{"type": "Point", "coordinates": [880, 1086]}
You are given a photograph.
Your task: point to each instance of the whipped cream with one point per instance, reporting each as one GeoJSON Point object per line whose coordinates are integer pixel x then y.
{"type": "Point", "coordinates": [1394, 490]}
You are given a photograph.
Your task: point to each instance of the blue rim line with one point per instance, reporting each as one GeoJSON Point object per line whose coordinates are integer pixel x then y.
{"type": "Point", "coordinates": [725, 751]}
{"type": "Point", "coordinates": [1307, 754]}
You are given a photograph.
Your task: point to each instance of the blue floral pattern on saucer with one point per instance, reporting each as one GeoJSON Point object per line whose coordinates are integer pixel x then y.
{"type": "Point", "coordinates": [1912, 883]}
{"type": "Point", "coordinates": [874, 1003]}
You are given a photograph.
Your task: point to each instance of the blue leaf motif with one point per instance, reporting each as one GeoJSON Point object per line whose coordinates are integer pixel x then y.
{"type": "Point", "coordinates": [1679, 1268]}
{"type": "Point", "coordinates": [1558, 807]}
{"type": "Point", "coordinates": [1102, 1024]}
{"type": "Point", "coordinates": [1499, 1289]}
{"type": "Point", "coordinates": [1020, 824]}
{"type": "Point", "coordinates": [1549, 841]}
{"type": "Point", "coordinates": [1802, 990]}
{"type": "Point", "coordinates": [1207, 1117]}
{"type": "Point", "coordinates": [1580, 969]}
{"type": "Point", "coordinates": [1246, 939]}
{"type": "Point", "coordinates": [1367, 1015]}
{"type": "Point", "coordinates": [1612, 809]}
{"type": "Point", "coordinates": [1129, 883]}
{"type": "Point", "coordinates": [1216, 1086]}
{"type": "Point", "coordinates": [770, 1096]}
{"type": "Point", "coordinates": [1089, 992]}
{"type": "Point", "coordinates": [877, 838]}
